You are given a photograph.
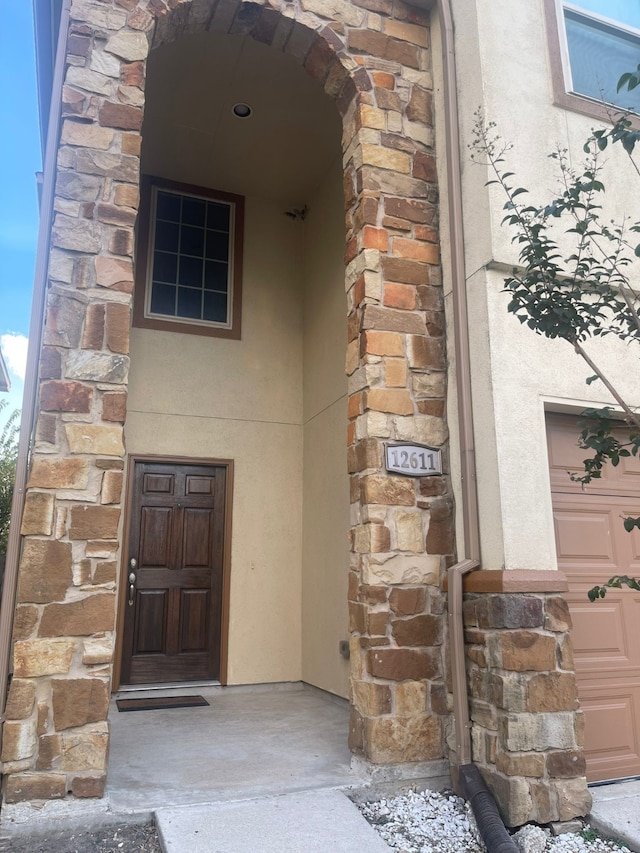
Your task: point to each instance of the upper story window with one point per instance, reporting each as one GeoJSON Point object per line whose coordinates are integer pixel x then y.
{"type": "Point", "coordinates": [189, 260]}
{"type": "Point", "coordinates": [593, 43]}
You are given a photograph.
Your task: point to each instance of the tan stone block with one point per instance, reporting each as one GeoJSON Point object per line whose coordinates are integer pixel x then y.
{"type": "Point", "coordinates": [368, 538]}
{"type": "Point", "coordinates": [411, 698]}
{"type": "Point", "coordinates": [537, 732]}
{"type": "Point", "coordinates": [381, 343]}
{"type": "Point", "coordinates": [32, 658]}
{"type": "Point", "coordinates": [369, 116]}
{"type": "Point", "coordinates": [557, 616]}
{"type": "Point", "coordinates": [21, 699]}
{"type": "Point", "coordinates": [429, 384]}
{"type": "Point", "coordinates": [111, 487]}
{"type": "Point", "coordinates": [93, 332]}
{"type": "Point", "coordinates": [25, 787]}
{"type": "Point", "coordinates": [574, 798]}
{"type": "Point", "coordinates": [386, 158]}
{"type": "Point", "coordinates": [83, 617]}
{"type": "Point", "coordinates": [117, 327]}
{"type": "Point", "coordinates": [520, 764]}
{"type": "Point", "coordinates": [371, 699]}
{"type": "Point", "coordinates": [399, 295]}
{"type": "Point", "coordinates": [78, 701]}
{"type": "Point", "coordinates": [392, 491]}
{"type": "Point", "coordinates": [553, 691]}
{"type": "Point", "coordinates": [527, 650]}
{"type": "Point", "coordinates": [566, 764]}
{"type": "Point", "coordinates": [57, 396]}
{"type": "Point", "coordinates": [131, 142]}
{"type": "Point", "coordinates": [409, 531]}
{"type": "Point", "coordinates": [111, 214]}
{"type": "Point", "coordinates": [394, 740]}
{"type": "Point", "coordinates": [402, 569]}
{"type": "Point", "coordinates": [56, 473]}
{"type": "Point", "coordinates": [395, 372]}
{"type": "Point", "coordinates": [130, 46]}
{"type": "Point", "coordinates": [392, 400]}
{"type": "Point", "coordinates": [90, 81]}
{"type": "Point", "coordinates": [404, 664]}
{"type": "Point", "coordinates": [97, 650]}
{"type": "Point", "coordinates": [75, 234]}
{"type": "Point", "coordinates": [86, 135]}
{"type": "Point", "coordinates": [94, 522]}
{"type": "Point", "coordinates": [99, 440]}
{"type": "Point", "coordinates": [114, 406]}
{"type": "Point", "coordinates": [24, 621]}
{"type": "Point", "coordinates": [422, 630]}
{"type": "Point", "coordinates": [127, 195]}
{"type": "Point", "coordinates": [19, 740]}
{"type": "Point", "coordinates": [416, 250]}
{"type": "Point", "coordinates": [422, 429]}
{"type": "Point", "coordinates": [37, 517]}
{"type": "Point", "coordinates": [45, 571]}
{"type": "Point", "coordinates": [425, 353]}
{"type": "Point", "coordinates": [84, 751]}
{"type": "Point", "coordinates": [513, 796]}
{"type": "Point", "coordinates": [49, 751]}
{"type": "Point", "coordinates": [114, 273]}
{"type": "Point", "coordinates": [407, 602]}
{"type": "Point", "coordinates": [90, 785]}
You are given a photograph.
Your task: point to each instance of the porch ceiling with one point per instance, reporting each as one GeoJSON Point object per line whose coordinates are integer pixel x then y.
{"type": "Point", "coordinates": [190, 134]}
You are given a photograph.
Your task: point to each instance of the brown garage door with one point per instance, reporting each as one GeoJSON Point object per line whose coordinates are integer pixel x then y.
{"type": "Point", "coordinates": [592, 545]}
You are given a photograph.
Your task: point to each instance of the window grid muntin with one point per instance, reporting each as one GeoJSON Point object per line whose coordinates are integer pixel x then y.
{"type": "Point", "coordinates": [207, 294]}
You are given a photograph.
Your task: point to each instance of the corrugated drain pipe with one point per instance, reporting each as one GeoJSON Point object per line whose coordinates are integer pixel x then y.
{"type": "Point", "coordinates": [465, 775]}
{"type": "Point", "coordinates": [27, 421]}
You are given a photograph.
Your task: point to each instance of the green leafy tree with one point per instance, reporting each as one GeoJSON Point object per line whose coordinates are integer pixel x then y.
{"type": "Point", "coordinates": [583, 292]}
{"type": "Point", "coordinates": [8, 458]}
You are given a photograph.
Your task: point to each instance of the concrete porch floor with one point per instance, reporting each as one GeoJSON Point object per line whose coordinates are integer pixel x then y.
{"type": "Point", "coordinates": [250, 741]}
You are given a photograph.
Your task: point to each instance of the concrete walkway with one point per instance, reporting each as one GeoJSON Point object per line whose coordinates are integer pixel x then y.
{"type": "Point", "coordinates": [616, 812]}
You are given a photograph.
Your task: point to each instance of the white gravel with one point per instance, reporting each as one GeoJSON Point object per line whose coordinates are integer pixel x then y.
{"type": "Point", "coordinates": [428, 822]}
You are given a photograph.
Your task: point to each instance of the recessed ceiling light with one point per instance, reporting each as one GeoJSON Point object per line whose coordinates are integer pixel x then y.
{"type": "Point", "coordinates": [242, 110]}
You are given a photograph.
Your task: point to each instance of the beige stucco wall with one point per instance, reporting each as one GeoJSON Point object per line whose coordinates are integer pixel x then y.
{"type": "Point", "coordinates": [196, 396]}
{"type": "Point", "coordinates": [325, 544]}
{"type": "Point", "coordinates": [503, 66]}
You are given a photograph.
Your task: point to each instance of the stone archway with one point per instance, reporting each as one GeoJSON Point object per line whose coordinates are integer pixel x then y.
{"type": "Point", "coordinates": [373, 59]}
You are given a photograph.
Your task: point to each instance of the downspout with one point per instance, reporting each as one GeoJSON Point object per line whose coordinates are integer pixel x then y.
{"type": "Point", "coordinates": [462, 754]}
{"type": "Point", "coordinates": [465, 775]}
{"type": "Point", "coordinates": [29, 400]}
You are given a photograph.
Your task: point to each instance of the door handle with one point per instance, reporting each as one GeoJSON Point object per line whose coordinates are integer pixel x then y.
{"type": "Point", "coordinates": [132, 580]}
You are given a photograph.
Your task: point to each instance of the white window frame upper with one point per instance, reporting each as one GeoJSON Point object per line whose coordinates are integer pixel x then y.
{"type": "Point", "coordinates": [563, 93]}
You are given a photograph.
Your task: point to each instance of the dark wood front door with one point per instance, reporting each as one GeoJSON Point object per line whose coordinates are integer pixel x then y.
{"type": "Point", "coordinates": [172, 625]}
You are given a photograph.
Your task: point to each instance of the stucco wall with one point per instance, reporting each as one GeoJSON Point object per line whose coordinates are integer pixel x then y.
{"type": "Point", "coordinates": [242, 400]}
{"type": "Point", "coordinates": [325, 542]}
{"type": "Point", "coordinates": [503, 67]}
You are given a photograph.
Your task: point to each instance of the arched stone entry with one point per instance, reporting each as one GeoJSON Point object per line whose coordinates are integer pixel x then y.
{"type": "Point", "coordinates": [373, 59]}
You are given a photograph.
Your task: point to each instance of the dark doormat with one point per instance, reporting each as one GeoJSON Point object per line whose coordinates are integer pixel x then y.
{"type": "Point", "coordinates": [157, 703]}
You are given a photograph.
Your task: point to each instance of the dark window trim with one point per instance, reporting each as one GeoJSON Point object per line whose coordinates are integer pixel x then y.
{"type": "Point", "coordinates": [142, 262]}
{"type": "Point", "coordinates": [561, 97]}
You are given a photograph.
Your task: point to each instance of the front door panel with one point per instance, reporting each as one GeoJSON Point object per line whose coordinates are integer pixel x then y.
{"type": "Point", "coordinates": [173, 610]}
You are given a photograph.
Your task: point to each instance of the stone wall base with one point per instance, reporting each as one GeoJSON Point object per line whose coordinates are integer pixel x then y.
{"type": "Point", "coordinates": [527, 728]}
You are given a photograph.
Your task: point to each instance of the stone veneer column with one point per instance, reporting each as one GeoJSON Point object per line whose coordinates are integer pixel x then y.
{"type": "Point", "coordinates": [527, 729]}
{"type": "Point", "coordinates": [373, 58]}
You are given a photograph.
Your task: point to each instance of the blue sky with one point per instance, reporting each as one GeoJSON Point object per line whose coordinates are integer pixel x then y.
{"type": "Point", "coordinates": [20, 159]}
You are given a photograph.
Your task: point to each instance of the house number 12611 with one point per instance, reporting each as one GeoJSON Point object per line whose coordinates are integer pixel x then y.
{"type": "Point", "coordinates": [412, 460]}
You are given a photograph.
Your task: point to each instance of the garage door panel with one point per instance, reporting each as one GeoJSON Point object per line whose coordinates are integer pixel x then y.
{"type": "Point", "coordinates": [598, 634]}
{"type": "Point", "coordinates": [611, 729]}
{"type": "Point", "coordinates": [585, 536]}
{"type": "Point", "coordinates": [566, 458]}
{"type": "Point", "coordinates": [592, 545]}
